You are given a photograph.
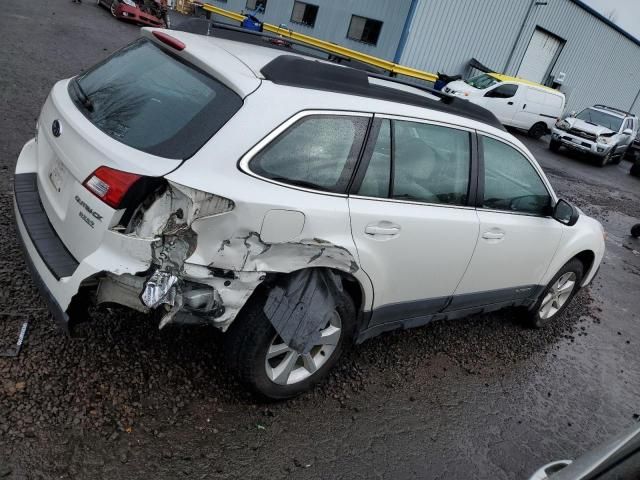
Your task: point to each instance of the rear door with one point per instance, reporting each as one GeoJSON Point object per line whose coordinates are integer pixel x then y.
{"type": "Point", "coordinates": [502, 101]}
{"type": "Point", "coordinates": [518, 238]}
{"type": "Point", "coordinates": [410, 219]}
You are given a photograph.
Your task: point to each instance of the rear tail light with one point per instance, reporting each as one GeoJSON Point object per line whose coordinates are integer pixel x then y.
{"type": "Point", "coordinates": [110, 185]}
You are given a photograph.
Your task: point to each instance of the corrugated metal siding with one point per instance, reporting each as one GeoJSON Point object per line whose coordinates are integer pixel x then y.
{"type": "Point", "coordinates": [332, 22]}
{"type": "Point", "coordinates": [601, 64]}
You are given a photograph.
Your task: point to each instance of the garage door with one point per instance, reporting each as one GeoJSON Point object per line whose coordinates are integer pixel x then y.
{"type": "Point", "coordinates": [541, 53]}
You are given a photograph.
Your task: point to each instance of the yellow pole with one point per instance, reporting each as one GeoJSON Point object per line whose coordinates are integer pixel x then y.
{"type": "Point", "coordinates": [329, 47]}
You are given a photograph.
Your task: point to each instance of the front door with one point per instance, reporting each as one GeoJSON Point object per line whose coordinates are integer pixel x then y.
{"type": "Point", "coordinates": [413, 230]}
{"type": "Point", "coordinates": [502, 101]}
{"type": "Point", "coordinates": [518, 238]}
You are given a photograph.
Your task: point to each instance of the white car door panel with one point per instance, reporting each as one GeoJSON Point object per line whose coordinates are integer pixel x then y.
{"type": "Point", "coordinates": [517, 238]}
{"type": "Point", "coordinates": [502, 100]}
{"type": "Point", "coordinates": [413, 234]}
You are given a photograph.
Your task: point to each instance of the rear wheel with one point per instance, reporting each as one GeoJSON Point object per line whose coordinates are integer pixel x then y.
{"type": "Point", "coordinates": [635, 169]}
{"type": "Point", "coordinates": [635, 230]}
{"type": "Point", "coordinates": [554, 146]}
{"type": "Point", "coordinates": [267, 366]}
{"type": "Point", "coordinates": [557, 295]}
{"type": "Point", "coordinates": [537, 130]}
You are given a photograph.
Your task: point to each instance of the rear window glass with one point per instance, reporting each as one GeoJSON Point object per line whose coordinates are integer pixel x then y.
{"type": "Point", "coordinates": [154, 102]}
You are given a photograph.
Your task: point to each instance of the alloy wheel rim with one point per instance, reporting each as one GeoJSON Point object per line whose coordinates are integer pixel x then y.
{"type": "Point", "coordinates": [557, 295]}
{"type": "Point", "coordinates": [285, 366]}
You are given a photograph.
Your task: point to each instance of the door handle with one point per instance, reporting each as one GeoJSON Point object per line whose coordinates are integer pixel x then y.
{"type": "Point", "coordinates": [382, 228]}
{"type": "Point", "coordinates": [524, 106]}
{"type": "Point", "coordinates": [493, 234]}
{"type": "Point", "coordinates": [509, 103]}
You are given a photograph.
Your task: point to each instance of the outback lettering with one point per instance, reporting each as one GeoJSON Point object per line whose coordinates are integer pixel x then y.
{"type": "Point", "coordinates": [91, 211]}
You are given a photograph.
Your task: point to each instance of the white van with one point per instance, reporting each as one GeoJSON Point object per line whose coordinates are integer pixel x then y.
{"type": "Point", "coordinates": [516, 102]}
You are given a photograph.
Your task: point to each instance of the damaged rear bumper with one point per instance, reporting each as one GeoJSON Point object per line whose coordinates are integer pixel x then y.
{"type": "Point", "coordinates": [55, 272]}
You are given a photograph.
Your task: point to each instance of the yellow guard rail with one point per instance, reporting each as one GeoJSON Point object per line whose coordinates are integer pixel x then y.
{"type": "Point", "coordinates": [329, 47]}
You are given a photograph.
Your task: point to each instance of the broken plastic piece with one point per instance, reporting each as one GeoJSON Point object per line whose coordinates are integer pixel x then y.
{"type": "Point", "coordinates": [302, 307]}
{"type": "Point", "coordinates": [158, 289]}
{"type": "Point", "coordinates": [15, 350]}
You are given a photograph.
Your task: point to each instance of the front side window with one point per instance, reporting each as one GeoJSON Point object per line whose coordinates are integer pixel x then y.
{"type": "Point", "coordinates": [481, 81]}
{"type": "Point", "coordinates": [317, 152]}
{"type": "Point", "coordinates": [427, 163]}
{"type": "Point", "coordinates": [502, 91]}
{"type": "Point", "coordinates": [304, 13]}
{"type": "Point", "coordinates": [364, 29]}
{"type": "Point", "coordinates": [510, 181]}
{"type": "Point", "coordinates": [151, 101]}
{"type": "Point", "coordinates": [597, 117]}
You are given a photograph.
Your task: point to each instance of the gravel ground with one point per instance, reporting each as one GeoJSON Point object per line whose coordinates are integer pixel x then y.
{"type": "Point", "coordinates": [481, 397]}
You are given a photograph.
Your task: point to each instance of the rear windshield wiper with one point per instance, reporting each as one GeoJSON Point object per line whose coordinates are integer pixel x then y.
{"type": "Point", "coordinates": [82, 95]}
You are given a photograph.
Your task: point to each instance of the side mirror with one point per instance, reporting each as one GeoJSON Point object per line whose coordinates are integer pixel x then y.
{"type": "Point", "coordinates": [627, 131]}
{"type": "Point", "coordinates": [573, 114]}
{"type": "Point", "coordinates": [566, 213]}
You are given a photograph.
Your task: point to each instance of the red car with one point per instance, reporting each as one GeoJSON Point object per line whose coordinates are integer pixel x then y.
{"type": "Point", "coordinates": [136, 11]}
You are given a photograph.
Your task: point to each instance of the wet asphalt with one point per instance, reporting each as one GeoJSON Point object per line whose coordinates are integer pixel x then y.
{"type": "Point", "coordinates": [482, 397]}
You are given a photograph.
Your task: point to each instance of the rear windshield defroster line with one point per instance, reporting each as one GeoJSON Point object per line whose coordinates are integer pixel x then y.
{"type": "Point", "coordinates": [153, 101]}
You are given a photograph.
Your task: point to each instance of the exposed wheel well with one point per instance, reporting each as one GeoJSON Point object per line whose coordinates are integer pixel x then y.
{"type": "Point", "coordinates": [587, 257]}
{"type": "Point", "coordinates": [349, 283]}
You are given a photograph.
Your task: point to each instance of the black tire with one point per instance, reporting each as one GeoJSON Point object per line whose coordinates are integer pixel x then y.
{"type": "Point", "coordinates": [603, 161]}
{"type": "Point", "coordinates": [534, 319]}
{"type": "Point", "coordinates": [250, 336]}
{"type": "Point", "coordinates": [635, 230]}
{"type": "Point", "coordinates": [554, 146]}
{"type": "Point", "coordinates": [538, 130]}
{"type": "Point", "coordinates": [635, 169]}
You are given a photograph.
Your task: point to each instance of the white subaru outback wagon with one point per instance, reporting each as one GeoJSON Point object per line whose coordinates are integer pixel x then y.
{"type": "Point", "coordinates": [298, 205]}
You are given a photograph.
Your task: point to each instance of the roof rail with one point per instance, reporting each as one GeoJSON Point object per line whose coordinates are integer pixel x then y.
{"type": "Point", "coordinates": [613, 109]}
{"type": "Point", "coordinates": [299, 72]}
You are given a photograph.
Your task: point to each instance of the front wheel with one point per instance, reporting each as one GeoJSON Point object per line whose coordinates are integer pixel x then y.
{"type": "Point", "coordinates": [554, 146]}
{"type": "Point", "coordinates": [635, 230]}
{"type": "Point", "coordinates": [267, 366]}
{"type": "Point", "coordinates": [558, 293]}
{"type": "Point", "coordinates": [114, 4]}
{"type": "Point", "coordinates": [537, 130]}
{"type": "Point", "coordinates": [635, 169]}
{"type": "Point", "coordinates": [602, 161]}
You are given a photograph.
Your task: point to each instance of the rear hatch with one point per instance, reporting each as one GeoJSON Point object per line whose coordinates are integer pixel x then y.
{"type": "Point", "coordinates": [137, 115]}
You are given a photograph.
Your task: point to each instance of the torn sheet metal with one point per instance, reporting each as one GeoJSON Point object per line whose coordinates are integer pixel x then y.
{"type": "Point", "coordinates": [302, 307]}
{"type": "Point", "coordinates": [159, 288]}
{"type": "Point", "coordinates": [248, 252]}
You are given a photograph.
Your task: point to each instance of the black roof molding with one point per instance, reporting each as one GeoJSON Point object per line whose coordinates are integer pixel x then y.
{"type": "Point", "coordinates": [299, 72]}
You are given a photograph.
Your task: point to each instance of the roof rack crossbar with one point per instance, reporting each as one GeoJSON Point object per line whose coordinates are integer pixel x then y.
{"type": "Point", "coordinates": [619, 110]}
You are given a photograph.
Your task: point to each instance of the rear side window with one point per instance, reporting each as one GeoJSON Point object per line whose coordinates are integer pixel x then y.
{"type": "Point", "coordinates": [318, 152]}
{"type": "Point", "coordinates": [154, 102]}
{"type": "Point", "coordinates": [419, 162]}
{"type": "Point", "coordinates": [510, 181]}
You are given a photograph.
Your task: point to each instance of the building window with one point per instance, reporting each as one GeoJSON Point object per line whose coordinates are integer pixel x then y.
{"type": "Point", "coordinates": [304, 13]}
{"type": "Point", "coordinates": [258, 5]}
{"type": "Point", "coordinates": [364, 29]}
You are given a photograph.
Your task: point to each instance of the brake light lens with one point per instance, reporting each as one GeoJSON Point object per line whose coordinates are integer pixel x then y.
{"type": "Point", "coordinates": [173, 42]}
{"type": "Point", "coordinates": [110, 185]}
